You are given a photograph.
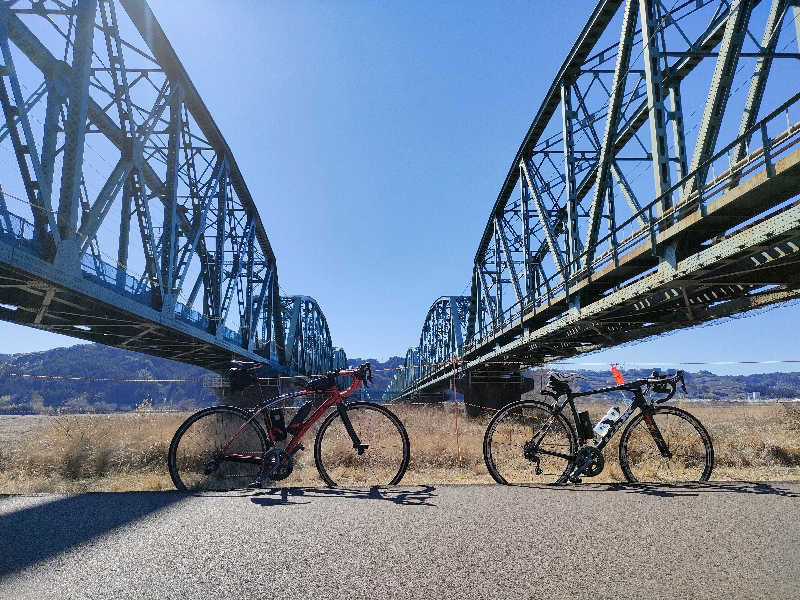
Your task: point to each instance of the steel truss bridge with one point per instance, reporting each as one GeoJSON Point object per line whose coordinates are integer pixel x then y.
{"type": "Point", "coordinates": [608, 227]}
{"type": "Point", "coordinates": [124, 218]}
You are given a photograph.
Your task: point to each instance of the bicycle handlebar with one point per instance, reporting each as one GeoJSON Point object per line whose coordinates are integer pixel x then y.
{"type": "Point", "coordinates": [328, 380]}
{"type": "Point", "coordinates": [662, 384]}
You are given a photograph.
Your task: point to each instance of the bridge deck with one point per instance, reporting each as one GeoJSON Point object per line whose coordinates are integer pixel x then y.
{"type": "Point", "coordinates": [35, 293]}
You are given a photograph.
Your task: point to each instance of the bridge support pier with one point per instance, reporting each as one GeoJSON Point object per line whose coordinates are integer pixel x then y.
{"type": "Point", "coordinates": [492, 390]}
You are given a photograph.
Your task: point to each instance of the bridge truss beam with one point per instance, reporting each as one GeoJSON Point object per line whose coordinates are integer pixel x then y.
{"type": "Point", "coordinates": [130, 223]}
{"type": "Point", "coordinates": [583, 238]}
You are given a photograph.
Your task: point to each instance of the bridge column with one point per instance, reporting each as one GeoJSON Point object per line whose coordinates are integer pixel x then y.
{"type": "Point", "coordinates": [575, 305]}
{"type": "Point", "coordinates": [668, 262]}
{"type": "Point", "coordinates": [655, 102]}
{"type": "Point", "coordinates": [484, 389]}
{"type": "Point", "coordinates": [68, 250]}
{"type": "Point", "coordinates": [57, 90]}
{"type": "Point", "coordinates": [124, 233]}
{"type": "Point", "coordinates": [36, 179]}
{"type": "Point", "coordinates": [169, 243]}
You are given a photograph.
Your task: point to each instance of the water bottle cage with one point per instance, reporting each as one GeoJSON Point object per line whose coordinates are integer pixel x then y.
{"type": "Point", "coordinates": [277, 430]}
{"type": "Point", "coordinates": [585, 426]}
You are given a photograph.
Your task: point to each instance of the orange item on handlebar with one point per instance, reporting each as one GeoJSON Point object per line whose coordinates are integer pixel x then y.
{"type": "Point", "coordinates": [617, 375]}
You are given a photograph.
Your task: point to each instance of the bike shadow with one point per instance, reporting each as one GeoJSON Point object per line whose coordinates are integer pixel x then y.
{"type": "Point", "coordinates": [675, 490]}
{"type": "Point", "coordinates": [406, 496]}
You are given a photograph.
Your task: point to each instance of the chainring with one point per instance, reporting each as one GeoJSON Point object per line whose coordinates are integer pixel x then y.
{"type": "Point", "coordinates": [595, 463]}
{"type": "Point", "coordinates": [279, 465]}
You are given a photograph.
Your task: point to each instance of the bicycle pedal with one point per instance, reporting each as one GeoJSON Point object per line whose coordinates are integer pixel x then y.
{"type": "Point", "coordinates": [257, 484]}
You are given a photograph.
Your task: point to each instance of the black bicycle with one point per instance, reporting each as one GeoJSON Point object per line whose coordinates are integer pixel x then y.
{"type": "Point", "coordinates": [533, 442]}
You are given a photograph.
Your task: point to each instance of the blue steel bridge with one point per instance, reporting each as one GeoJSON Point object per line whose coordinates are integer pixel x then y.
{"type": "Point", "coordinates": [124, 218]}
{"type": "Point", "coordinates": [656, 189]}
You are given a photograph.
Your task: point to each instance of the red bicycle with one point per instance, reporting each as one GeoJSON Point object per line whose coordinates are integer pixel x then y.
{"type": "Point", "coordinates": [225, 447]}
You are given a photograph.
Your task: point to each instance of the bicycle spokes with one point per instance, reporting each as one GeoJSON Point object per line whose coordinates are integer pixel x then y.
{"type": "Point", "coordinates": [361, 444]}
{"type": "Point", "coordinates": [525, 443]}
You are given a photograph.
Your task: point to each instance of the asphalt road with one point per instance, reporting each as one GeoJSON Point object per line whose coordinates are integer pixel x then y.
{"type": "Point", "coordinates": [732, 540]}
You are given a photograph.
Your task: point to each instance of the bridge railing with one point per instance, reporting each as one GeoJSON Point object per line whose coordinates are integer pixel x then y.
{"type": "Point", "coordinates": [760, 156]}
{"type": "Point", "coordinates": [115, 278]}
{"type": "Point", "coordinates": [19, 232]}
{"type": "Point", "coordinates": [15, 230]}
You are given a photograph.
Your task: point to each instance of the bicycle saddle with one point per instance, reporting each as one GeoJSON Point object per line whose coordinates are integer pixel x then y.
{"type": "Point", "coordinates": [322, 383]}
{"type": "Point", "coordinates": [559, 386]}
{"type": "Point", "coordinates": [243, 374]}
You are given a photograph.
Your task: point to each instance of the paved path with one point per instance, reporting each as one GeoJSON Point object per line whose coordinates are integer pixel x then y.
{"type": "Point", "coordinates": [590, 541]}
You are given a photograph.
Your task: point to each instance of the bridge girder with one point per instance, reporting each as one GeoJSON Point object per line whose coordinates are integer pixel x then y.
{"type": "Point", "coordinates": [442, 338]}
{"type": "Point", "coordinates": [124, 192]}
{"type": "Point", "coordinates": [309, 348]}
{"type": "Point", "coordinates": [592, 207]}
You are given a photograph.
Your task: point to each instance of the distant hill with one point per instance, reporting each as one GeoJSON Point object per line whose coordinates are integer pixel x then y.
{"type": "Point", "coordinates": [87, 361]}
{"type": "Point", "coordinates": [90, 362]}
{"type": "Point", "coordinates": [704, 384]}
{"type": "Point", "coordinates": [382, 372]}
{"type": "Point", "coordinates": [700, 385]}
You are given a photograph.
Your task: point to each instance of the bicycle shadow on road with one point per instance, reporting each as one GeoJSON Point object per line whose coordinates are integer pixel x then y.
{"type": "Point", "coordinates": [675, 490]}
{"type": "Point", "coordinates": [406, 496]}
{"type": "Point", "coordinates": [35, 533]}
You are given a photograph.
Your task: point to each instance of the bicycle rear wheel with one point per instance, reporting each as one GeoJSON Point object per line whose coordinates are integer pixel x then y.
{"type": "Point", "coordinates": [665, 444]}
{"type": "Point", "coordinates": [196, 460]}
{"type": "Point", "coordinates": [385, 452]}
{"type": "Point", "coordinates": [526, 442]}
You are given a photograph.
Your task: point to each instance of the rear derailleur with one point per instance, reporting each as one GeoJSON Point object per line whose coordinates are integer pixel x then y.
{"type": "Point", "coordinates": [529, 450]}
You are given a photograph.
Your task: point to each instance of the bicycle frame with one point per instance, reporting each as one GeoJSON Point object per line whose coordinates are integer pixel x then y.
{"type": "Point", "coordinates": [638, 401]}
{"type": "Point", "coordinates": [334, 397]}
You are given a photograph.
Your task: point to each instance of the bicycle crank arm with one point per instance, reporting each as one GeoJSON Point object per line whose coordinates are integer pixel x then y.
{"type": "Point", "coordinates": [575, 476]}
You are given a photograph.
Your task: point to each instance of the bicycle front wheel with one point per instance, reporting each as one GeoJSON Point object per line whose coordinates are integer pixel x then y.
{"type": "Point", "coordinates": [526, 442]}
{"type": "Point", "coordinates": [667, 445]}
{"type": "Point", "coordinates": [217, 449]}
{"type": "Point", "coordinates": [377, 456]}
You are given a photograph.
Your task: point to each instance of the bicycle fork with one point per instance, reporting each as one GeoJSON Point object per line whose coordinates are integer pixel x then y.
{"type": "Point", "coordinates": [348, 425]}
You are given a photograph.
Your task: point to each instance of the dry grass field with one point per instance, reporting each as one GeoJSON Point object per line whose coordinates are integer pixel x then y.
{"type": "Point", "coordinates": [122, 452]}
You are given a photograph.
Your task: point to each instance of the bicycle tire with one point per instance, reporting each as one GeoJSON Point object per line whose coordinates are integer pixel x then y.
{"type": "Point", "coordinates": [509, 431]}
{"type": "Point", "coordinates": [690, 446]}
{"type": "Point", "coordinates": [385, 460]}
{"type": "Point", "coordinates": [198, 439]}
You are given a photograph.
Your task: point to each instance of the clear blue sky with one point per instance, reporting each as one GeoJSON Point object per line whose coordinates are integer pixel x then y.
{"type": "Point", "coordinates": [374, 138]}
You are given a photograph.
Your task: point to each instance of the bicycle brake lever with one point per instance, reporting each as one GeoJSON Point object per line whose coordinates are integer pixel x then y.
{"type": "Point", "coordinates": [683, 383]}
